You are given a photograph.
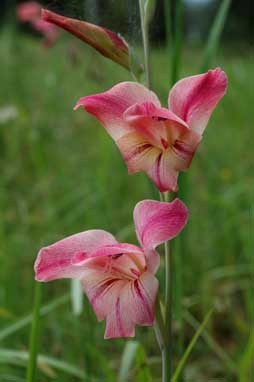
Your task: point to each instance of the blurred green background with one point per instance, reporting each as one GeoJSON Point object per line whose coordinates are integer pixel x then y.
{"type": "Point", "coordinates": [61, 174]}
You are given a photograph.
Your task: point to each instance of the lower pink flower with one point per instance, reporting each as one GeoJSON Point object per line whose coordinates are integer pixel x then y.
{"type": "Point", "coordinates": [118, 278]}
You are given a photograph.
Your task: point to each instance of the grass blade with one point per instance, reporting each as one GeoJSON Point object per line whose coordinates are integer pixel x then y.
{"type": "Point", "coordinates": [215, 33]}
{"type": "Point", "coordinates": [246, 363]}
{"type": "Point", "coordinates": [21, 358]}
{"type": "Point", "coordinates": [218, 350]}
{"type": "Point", "coordinates": [177, 42]}
{"type": "Point", "coordinates": [128, 358]}
{"type": "Point", "coordinates": [10, 378]}
{"type": "Point", "coordinates": [34, 334]}
{"type": "Point", "coordinates": [21, 323]}
{"type": "Point", "coordinates": [76, 297]}
{"type": "Point", "coordinates": [191, 346]}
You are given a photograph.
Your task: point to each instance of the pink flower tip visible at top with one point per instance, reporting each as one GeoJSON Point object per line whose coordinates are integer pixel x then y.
{"type": "Point", "coordinates": [30, 12]}
{"type": "Point", "coordinates": [156, 140]}
{"type": "Point", "coordinates": [118, 278]}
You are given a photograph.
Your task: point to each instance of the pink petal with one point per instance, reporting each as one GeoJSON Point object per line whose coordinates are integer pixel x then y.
{"type": "Point", "coordinates": [152, 122]}
{"type": "Point", "coordinates": [108, 43]}
{"type": "Point", "coordinates": [137, 152]}
{"type": "Point", "coordinates": [28, 11]}
{"type": "Point", "coordinates": [108, 107]}
{"type": "Point", "coordinates": [162, 145]}
{"type": "Point", "coordinates": [49, 31]}
{"type": "Point", "coordinates": [55, 261]}
{"type": "Point", "coordinates": [163, 172]}
{"type": "Point", "coordinates": [194, 98]}
{"type": "Point", "coordinates": [122, 302]}
{"type": "Point", "coordinates": [158, 222]}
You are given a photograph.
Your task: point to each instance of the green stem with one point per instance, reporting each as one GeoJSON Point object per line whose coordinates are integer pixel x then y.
{"type": "Point", "coordinates": [167, 352]}
{"type": "Point", "coordinates": [175, 73]}
{"type": "Point", "coordinates": [34, 334]}
{"type": "Point", "coordinates": [161, 331]}
{"type": "Point", "coordinates": [145, 37]}
{"type": "Point", "coordinates": [177, 42]}
{"type": "Point", "coordinates": [167, 17]}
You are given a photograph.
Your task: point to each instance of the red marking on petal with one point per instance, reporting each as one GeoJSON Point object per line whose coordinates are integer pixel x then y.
{"type": "Point", "coordinates": [183, 149]}
{"type": "Point", "coordinates": [164, 143]}
{"type": "Point", "coordinates": [77, 258]}
{"type": "Point", "coordinates": [118, 318]}
{"type": "Point", "coordinates": [138, 150]}
{"type": "Point", "coordinates": [135, 272]}
{"type": "Point", "coordinates": [115, 257]}
{"type": "Point", "coordinates": [102, 289]}
{"type": "Point", "coordinates": [143, 299]}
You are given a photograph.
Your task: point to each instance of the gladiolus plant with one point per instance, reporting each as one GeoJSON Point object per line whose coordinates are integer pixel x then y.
{"type": "Point", "coordinates": [119, 278]}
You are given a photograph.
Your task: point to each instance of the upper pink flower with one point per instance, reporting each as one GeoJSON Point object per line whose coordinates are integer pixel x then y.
{"type": "Point", "coordinates": [30, 12]}
{"type": "Point", "coordinates": [118, 278]}
{"type": "Point", "coordinates": [153, 139]}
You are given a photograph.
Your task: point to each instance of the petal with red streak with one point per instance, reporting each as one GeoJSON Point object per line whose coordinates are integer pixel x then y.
{"type": "Point", "coordinates": [151, 122]}
{"type": "Point", "coordinates": [157, 222]}
{"type": "Point", "coordinates": [194, 98]}
{"type": "Point", "coordinates": [122, 302]}
{"type": "Point", "coordinates": [137, 152]}
{"type": "Point", "coordinates": [56, 260]}
{"type": "Point", "coordinates": [108, 107]}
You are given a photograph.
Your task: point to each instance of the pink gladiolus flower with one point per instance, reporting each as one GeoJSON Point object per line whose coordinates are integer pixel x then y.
{"type": "Point", "coordinates": [108, 43]}
{"type": "Point", "coordinates": [118, 278]}
{"type": "Point", "coordinates": [153, 139]}
{"type": "Point", "coordinates": [30, 12]}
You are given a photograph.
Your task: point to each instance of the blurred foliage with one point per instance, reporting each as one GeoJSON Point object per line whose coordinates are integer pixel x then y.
{"type": "Point", "coordinates": [123, 16]}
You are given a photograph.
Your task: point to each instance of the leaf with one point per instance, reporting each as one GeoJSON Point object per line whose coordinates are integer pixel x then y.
{"type": "Point", "coordinates": [77, 296]}
{"type": "Point", "coordinates": [143, 372]}
{"type": "Point", "coordinates": [218, 350]}
{"type": "Point", "coordinates": [215, 34]}
{"type": "Point", "coordinates": [127, 360]}
{"type": "Point", "coordinates": [246, 368]}
{"type": "Point", "coordinates": [191, 345]}
{"type": "Point", "coordinates": [20, 358]}
{"type": "Point", "coordinates": [149, 9]}
{"type": "Point", "coordinates": [21, 323]}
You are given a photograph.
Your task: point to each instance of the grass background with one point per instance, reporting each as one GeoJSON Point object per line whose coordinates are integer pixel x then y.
{"type": "Point", "coordinates": [61, 174]}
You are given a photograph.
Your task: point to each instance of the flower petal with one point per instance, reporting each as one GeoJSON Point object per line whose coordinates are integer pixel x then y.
{"type": "Point", "coordinates": [108, 43]}
{"type": "Point", "coordinates": [194, 98]}
{"type": "Point", "coordinates": [151, 122]}
{"type": "Point", "coordinates": [162, 145]}
{"type": "Point", "coordinates": [137, 152]}
{"type": "Point", "coordinates": [108, 107]}
{"type": "Point", "coordinates": [56, 261]}
{"type": "Point", "coordinates": [157, 222]}
{"type": "Point", "coordinates": [163, 172]}
{"type": "Point", "coordinates": [28, 11]}
{"type": "Point", "coordinates": [123, 303]}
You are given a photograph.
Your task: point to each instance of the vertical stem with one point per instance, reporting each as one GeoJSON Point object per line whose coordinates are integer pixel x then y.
{"type": "Point", "coordinates": [167, 18]}
{"type": "Point", "coordinates": [167, 352]}
{"type": "Point", "coordinates": [183, 181]}
{"type": "Point", "coordinates": [34, 334]}
{"type": "Point", "coordinates": [163, 332]}
{"type": "Point", "coordinates": [177, 42]}
{"type": "Point", "coordinates": [145, 37]}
